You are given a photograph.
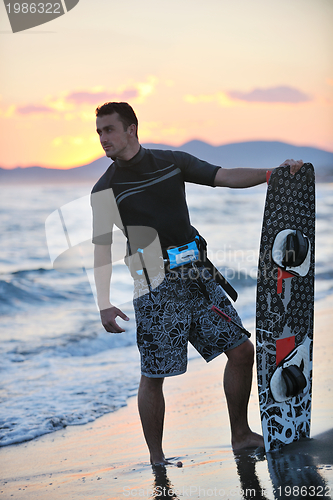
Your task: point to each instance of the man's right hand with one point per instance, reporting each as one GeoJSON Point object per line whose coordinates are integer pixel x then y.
{"type": "Point", "coordinates": [108, 317]}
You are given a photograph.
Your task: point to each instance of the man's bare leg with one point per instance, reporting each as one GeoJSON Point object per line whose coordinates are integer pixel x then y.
{"type": "Point", "coordinates": [237, 387]}
{"type": "Point", "coordinates": [151, 409]}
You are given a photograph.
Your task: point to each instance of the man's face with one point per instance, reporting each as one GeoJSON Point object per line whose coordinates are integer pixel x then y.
{"type": "Point", "coordinates": [114, 139]}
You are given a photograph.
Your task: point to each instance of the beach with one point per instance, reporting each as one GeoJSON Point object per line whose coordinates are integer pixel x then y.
{"type": "Point", "coordinates": [108, 459]}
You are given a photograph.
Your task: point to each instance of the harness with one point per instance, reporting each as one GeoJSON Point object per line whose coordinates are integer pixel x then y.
{"type": "Point", "coordinates": [193, 254]}
{"type": "Point", "coordinates": [187, 256]}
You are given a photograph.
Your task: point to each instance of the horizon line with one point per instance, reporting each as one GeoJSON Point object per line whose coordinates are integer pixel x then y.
{"type": "Point", "coordinates": [50, 167]}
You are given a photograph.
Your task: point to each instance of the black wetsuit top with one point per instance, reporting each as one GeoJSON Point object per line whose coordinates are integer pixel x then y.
{"type": "Point", "coordinates": [149, 190]}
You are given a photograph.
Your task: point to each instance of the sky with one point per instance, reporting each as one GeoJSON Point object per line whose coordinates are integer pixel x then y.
{"type": "Point", "coordinates": [220, 71]}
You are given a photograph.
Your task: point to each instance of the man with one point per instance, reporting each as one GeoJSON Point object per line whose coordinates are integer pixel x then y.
{"type": "Point", "coordinates": [148, 191]}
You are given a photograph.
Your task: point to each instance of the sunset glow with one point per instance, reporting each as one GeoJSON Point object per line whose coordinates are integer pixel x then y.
{"type": "Point", "coordinates": [220, 72]}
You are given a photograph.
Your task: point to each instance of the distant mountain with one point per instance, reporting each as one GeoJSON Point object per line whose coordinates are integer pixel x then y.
{"type": "Point", "coordinates": [40, 175]}
{"type": "Point", "coordinates": [257, 154]}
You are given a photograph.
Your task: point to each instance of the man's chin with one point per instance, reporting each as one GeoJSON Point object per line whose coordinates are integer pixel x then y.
{"type": "Point", "coordinates": [110, 155]}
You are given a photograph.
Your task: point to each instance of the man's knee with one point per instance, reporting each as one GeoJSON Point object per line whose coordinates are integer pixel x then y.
{"type": "Point", "coordinates": [242, 354]}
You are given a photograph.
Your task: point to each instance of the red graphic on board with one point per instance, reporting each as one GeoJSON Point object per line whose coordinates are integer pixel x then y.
{"type": "Point", "coordinates": [284, 347]}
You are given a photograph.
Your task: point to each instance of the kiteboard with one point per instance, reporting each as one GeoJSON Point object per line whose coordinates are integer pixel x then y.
{"type": "Point", "coordinates": [285, 306]}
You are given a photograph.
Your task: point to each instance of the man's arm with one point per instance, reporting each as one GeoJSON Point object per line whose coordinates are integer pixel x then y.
{"type": "Point", "coordinates": [102, 274]}
{"type": "Point", "coordinates": [248, 177]}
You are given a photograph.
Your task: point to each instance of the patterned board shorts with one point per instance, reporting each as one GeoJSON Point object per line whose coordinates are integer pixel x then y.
{"type": "Point", "coordinates": [176, 312]}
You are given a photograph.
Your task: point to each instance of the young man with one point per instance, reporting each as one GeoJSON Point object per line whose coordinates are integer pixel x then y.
{"type": "Point", "coordinates": [146, 190]}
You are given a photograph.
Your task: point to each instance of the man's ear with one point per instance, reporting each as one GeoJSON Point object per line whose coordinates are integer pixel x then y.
{"type": "Point", "coordinates": [132, 130]}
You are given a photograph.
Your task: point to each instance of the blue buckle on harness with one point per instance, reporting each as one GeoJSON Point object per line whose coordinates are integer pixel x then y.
{"type": "Point", "coordinates": [184, 254]}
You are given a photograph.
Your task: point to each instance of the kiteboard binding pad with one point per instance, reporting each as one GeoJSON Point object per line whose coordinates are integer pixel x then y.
{"type": "Point", "coordinates": [284, 308]}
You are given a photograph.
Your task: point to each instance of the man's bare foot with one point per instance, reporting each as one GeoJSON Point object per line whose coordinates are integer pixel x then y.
{"type": "Point", "coordinates": [251, 440]}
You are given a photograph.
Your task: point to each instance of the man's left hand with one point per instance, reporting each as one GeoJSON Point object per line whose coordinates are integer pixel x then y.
{"type": "Point", "coordinates": [293, 164]}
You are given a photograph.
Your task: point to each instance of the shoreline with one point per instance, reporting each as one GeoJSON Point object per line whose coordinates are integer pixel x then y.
{"type": "Point", "coordinates": [108, 458]}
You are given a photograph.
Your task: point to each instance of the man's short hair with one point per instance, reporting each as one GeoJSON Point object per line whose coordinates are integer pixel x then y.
{"type": "Point", "coordinates": [124, 110]}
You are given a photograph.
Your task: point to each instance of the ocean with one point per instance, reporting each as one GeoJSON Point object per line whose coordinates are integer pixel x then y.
{"type": "Point", "coordinates": [58, 366]}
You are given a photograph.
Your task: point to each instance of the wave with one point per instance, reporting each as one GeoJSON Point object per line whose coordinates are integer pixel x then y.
{"type": "Point", "coordinates": [56, 392]}
{"type": "Point", "coordinates": [22, 289]}
{"type": "Point", "coordinates": [88, 342]}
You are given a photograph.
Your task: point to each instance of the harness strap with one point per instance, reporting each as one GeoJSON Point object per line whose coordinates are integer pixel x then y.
{"type": "Point", "coordinates": [220, 279]}
{"type": "Point", "coordinates": [140, 252]}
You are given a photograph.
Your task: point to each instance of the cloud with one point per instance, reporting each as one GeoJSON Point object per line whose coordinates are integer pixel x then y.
{"type": "Point", "coordinates": [282, 94]}
{"type": "Point", "coordinates": [101, 97]}
{"type": "Point", "coordinates": [32, 109]}
{"type": "Point", "coordinates": [137, 91]}
{"type": "Point", "coordinates": [146, 88]}
{"type": "Point", "coordinates": [71, 105]}
{"type": "Point", "coordinates": [7, 112]}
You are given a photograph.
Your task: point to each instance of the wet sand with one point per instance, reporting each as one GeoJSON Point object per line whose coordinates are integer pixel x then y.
{"type": "Point", "coordinates": [108, 459]}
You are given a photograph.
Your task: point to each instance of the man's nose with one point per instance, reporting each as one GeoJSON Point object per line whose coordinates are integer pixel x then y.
{"type": "Point", "coordinates": [102, 137]}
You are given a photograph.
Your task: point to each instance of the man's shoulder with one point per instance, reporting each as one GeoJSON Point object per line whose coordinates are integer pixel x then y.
{"type": "Point", "coordinates": [168, 154]}
{"type": "Point", "coordinates": [104, 181]}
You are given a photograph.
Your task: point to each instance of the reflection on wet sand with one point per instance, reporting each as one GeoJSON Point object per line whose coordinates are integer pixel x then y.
{"type": "Point", "coordinates": [162, 486]}
{"type": "Point", "coordinates": [294, 470]}
{"type": "Point", "coordinates": [249, 480]}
